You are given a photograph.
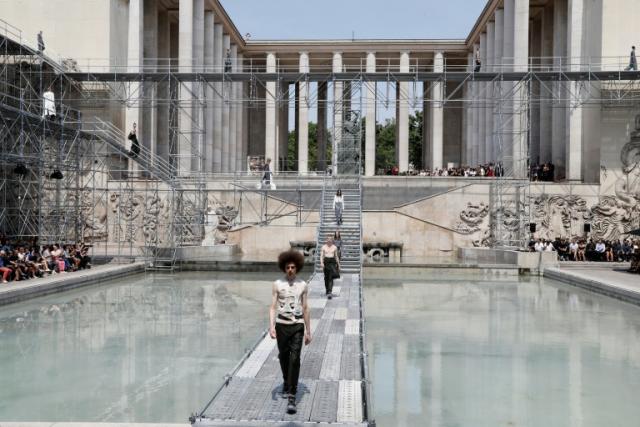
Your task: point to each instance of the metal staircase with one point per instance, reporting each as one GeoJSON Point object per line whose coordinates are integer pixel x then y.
{"type": "Point", "coordinates": [351, 228]}
{"type": "Point", "coordinates": [146, 160]}
{"type": "Point", "coordinates": [159, 256]}
{"type": "Point", "coordinates": [347, 168]}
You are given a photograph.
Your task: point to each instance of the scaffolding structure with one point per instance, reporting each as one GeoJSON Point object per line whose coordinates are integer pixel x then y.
{"type": "Point", "coordinates": [161, 198]}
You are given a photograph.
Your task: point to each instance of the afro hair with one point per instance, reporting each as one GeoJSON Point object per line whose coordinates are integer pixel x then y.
{"type": "Point", "coordinates": [291, 256]}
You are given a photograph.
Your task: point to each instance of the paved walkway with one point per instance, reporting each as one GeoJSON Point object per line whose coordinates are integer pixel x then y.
{"type": "Point", "coordinates": [18, 291]}
{"type": "Point", "coordinates": [611, 280]}
{"type": "Point", "coordinates": [330, 387]}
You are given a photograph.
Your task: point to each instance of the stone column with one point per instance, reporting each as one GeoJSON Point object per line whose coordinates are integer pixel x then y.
{"type": "Point", "coordinates": [148, 131]}
{"type": "Point", "coordinates": [482, 117]}
{"type": "Point", "coordinates": [468, 131]}
{"type": "Point", "coordinates": [303, 117]}
{"type": "Point", "coordinates": [573, 147]}
{"type": "Point", "coordinates": [437, 115]}
{"type": "Point", "coordinates": [370, 131]}
{"type": "Point", "coordinates": [498, 44]}
{"type": "Point", "coordinates": [558, 118]}
{"type": "Point", "coordinates": [245, 128]}
{"type": "Point", "coordinates": [475, 114]}
{"type": "Point", "coordinates": [218, 45]}
{"type": "Point", "coordinates": [233, 113]}
{"type": "Point", "coordinates": [534, 108]}
{"type": "Point", "coordinates": [347, 94]}
{"type": "Point", "coordinates": [164, 54]}
{"type": "Point", "coordinates": [546, 110]}
{"type": "Point", "coordinates": [240, 159]}
{"type": "Point", "coordinates": [427, 99]}
{"type": "Point", "coordinates": [402, 122]}
{"type": "Point", "coordinates": [185, 65]}
{"type": "Point", "coordinates": [135, 61]}
{"type": "Point", "coordinates": [226, 112]}
{"type": "Point", "coordinates": [282, 124]}
{"type": "Point", "coordinates": [489, 154]}
{"type": "Point", "coordinates": [270, 150]}
{"type": "Point", "coordinates": [337, 111]}
{"type": "Point", "coordinates": [505, 125]}
{"type": "Point", "coordinates": [209, 109]}
{"type": "Point", "coordinates": [498, 49]}
{"type": "Point", "coordinates": [197, 112]}
{"type": "Point", "coordinates": [521, 63]}
{"type": "Point", "coordinates": [321, 129]}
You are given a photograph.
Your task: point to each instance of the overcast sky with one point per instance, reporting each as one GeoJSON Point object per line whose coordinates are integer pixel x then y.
{"type": "Point", "coordinates": [340, 19]}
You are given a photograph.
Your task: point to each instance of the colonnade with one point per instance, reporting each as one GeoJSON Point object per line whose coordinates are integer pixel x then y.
{"type": "Point", "coordinates": [209, 133]}
{"type": "Point", "coordinates": [510, 37]}
{"type": "Point", "coordinates": [341, 103]}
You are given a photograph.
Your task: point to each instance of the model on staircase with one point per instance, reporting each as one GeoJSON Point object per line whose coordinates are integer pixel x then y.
{"type": "Point", "coordinates": [330, 265]}
{"type": "Point", "coordinates": [338, 206]}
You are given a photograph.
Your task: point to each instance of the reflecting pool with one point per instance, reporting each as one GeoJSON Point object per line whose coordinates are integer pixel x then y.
{"type": "Point", "coordinates": [501, 353]}
{"type": "Point", "coordinates": [142, 349]}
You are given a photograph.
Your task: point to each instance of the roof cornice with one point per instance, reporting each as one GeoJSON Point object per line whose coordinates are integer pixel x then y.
{"type": "Point", "coordinates": [481, 22]}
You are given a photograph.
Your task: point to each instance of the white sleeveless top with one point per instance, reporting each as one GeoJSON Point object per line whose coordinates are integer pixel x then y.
{"type": "Point", "coordinates": [289, 308]}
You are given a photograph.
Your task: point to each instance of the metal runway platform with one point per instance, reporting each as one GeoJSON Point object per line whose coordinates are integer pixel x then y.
{"type": "Point", "coordinates": [331, 389]}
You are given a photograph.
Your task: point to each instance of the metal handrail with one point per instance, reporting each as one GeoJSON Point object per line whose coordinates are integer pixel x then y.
{"type": "Point", "coordinates": [392, 66]}
{"type": "Point", "coordinates": [152, 164]}
{"type": "Point", "coordinates": [316, 258]}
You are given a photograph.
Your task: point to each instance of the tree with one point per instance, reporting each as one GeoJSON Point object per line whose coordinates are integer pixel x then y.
{"type": "Point", "coordinates": [292, 152]}
{"type": "Point", "coordinates": [415, 140]}
{"type": "Point", "coordinates": [385, 144]}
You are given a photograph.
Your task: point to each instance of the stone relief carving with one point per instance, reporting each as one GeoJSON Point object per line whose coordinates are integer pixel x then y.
{"type": "Point", "coordinates": [565, 215]}
{"type": "Point", "coordinates": [559, 215]}
{"type": "Point", "coordinates": [127, 210]}
{"type": "Point", "coordinates": [220, 218]}
{"type": "Point", "coordinates": [615, 215]}
{"type": "Point", "coordinates": [156, 220]}
{"type": "Point", "coordinates": [472, 218]}
{"type": "Point", "coordinates": [93, 217]}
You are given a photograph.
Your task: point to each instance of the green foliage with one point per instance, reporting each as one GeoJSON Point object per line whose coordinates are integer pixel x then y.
{"type": "Point", "coordinates": [415, 139]}
{"type": "Point", "coordinates": [385, 144]}
{"type": "Point", "coordinates": [292, 148]}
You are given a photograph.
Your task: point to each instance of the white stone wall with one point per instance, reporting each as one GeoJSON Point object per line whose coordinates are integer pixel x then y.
{"type": "Point", "coordinates": [72, 29]}
{"type": "Point", "coordinates": [619, 26]}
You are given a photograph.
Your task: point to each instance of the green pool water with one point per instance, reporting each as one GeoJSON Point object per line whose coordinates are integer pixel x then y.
{"type": "Point", "coordinates": [142, 349]}
{"type": "Point", "coordinates": [501, 353]}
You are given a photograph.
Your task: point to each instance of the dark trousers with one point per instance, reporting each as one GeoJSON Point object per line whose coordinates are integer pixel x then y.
{"type": "Point", "coordinates": [289, 346]}
{"type": "Point", "coordinates": [330, 268]}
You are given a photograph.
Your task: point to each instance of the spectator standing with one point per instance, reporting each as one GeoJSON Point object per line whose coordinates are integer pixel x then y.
{"type": "Point", "coordinates": [266, 174]}
{"type": "Point", "coordinates": [228, 62]}
{"type": "Point", "coordinates": [40, 42]}
{"type": "Point", "coordinates": [633, 62]}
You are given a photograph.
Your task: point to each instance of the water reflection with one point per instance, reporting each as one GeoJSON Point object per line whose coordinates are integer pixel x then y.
{"type": "Point", "coordinates": [150, 350]}
{"type": "Point", "coordinates": [501, 354]}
